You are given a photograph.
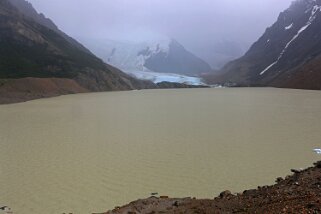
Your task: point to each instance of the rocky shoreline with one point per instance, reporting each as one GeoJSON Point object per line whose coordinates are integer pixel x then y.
{"type": "Point", "coordinates": [297, 193]}
{"type": "Point", "coordinates": [30, 88]}
{"type": "Point", "coordinates": [24, 89]}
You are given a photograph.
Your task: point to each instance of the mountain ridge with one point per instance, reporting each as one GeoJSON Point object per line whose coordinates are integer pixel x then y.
{"type": "Point", "coordinates": [160, 56]}
{"type": "Point", "coordinates": [31, 49]}
{"type": "Point", "coordinates": [29, 11]}
{"type": "Point", "coordinates": [278, 58]}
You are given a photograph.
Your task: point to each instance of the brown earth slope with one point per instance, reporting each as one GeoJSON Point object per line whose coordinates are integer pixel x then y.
{"type": "Point", "coordinates": [30, 88]}
{"type": "Point", "coordinates": [19, 90]}
{"type": "Point", "coordinates": [298, 193]}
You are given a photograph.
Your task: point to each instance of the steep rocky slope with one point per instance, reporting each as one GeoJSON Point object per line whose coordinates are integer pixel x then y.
{"type": "Point", "coordinates": [28, 11]}
{"type": "Point", "coordinates": [32, 46]}
{"type": "Point", "coordinates": [287, 54]}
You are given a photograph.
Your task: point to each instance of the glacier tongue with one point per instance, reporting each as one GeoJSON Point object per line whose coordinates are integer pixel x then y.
{"type": "Point", "coordinates": [165, 77]}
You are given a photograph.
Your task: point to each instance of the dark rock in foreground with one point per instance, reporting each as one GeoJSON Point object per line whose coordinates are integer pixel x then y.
{"type": "Point", "coordinates": [298, 193]}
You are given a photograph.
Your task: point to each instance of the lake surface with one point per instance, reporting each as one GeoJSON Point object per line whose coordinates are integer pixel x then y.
{"type": "Point", "coordinates": [91, 152]}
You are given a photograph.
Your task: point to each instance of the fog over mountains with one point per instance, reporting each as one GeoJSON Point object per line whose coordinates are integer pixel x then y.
{"type": "Point", "coordinates": [286, 55]}
{"type": "Point", "coordinates": [216, 31]}
{"type": "Point", "coordinates": [158, 60]}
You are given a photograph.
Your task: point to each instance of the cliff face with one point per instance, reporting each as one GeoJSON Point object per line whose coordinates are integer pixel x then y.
{"type": "Point", "coordinates": [286, 55]}
{"type": "Point", "coordinates": [32, 46]}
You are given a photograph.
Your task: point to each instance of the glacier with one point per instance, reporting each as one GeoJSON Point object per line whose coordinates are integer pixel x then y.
{"type": "Point", "coordinates": [166, 77]}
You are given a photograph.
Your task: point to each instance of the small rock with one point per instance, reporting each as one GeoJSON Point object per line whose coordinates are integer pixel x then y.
{"type": "Point", "coordinates": [225, 194]}
{"type": "Point", "coordinates": [5, 208]}
{"type": "Point", "coordinates": [310, 206]}
{"type": "Point", "coordinates": [278, 180]}
{"type": "Point", "coordinates": [175, 204]}
{"type": "Point", "coordinates": [295, 171]}
{"type": "Point", "coordinates": [318, 164]}
{"type": "Point", "coordinates": [288, 177]}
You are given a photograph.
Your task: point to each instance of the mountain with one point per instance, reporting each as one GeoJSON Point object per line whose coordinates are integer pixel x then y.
{"type": "Point", "coordinates": [163, 56]}
{"type": "Point", "coordinates": [220, 52]}
{"type": "Point", "coordinates": [27, 9]}
{"type": "Point", "coordinates": [32, 46]}
{"type": "Point", "coordinates": [288, 54]}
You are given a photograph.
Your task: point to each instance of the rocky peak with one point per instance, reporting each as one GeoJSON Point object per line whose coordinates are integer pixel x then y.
{"type": "Point", "coordinates": [169, 56]}
{"type": "Point", "coordinates": [28, 10]}
{"type": "Point", "coordinates": [163, 55]}
{"type": "Point", "coordinates": [283, 50]}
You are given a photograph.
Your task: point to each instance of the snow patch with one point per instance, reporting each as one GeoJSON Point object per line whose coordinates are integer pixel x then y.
{"type": "Point", "coordinates": [289, 27]}
{"type": "Point", "coordinates": [315, 9]}
{"type": "Point", "coordinates": [151, 49]}
{"type": "Point", "coordinates": [311, 19]}
{"type": "Point", "coordinates": [268, 68]}
{"type": "Point", "coordinates": [160, 46]}
{"type": "Point", "coordinates": [129, 56]}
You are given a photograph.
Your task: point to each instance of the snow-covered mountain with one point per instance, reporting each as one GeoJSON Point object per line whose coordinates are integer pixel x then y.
{"type": "Point", "coordinates": [161, 60]}
{"type": "Point", "coordinates": [288, 54]}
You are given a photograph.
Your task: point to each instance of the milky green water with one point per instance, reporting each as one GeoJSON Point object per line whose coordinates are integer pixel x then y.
{"type": "Point", "coordinates": [91, 152]}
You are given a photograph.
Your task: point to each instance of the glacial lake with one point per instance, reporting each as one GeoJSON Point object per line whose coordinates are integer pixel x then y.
{"type": "Point", "coordinates": [91, 152]}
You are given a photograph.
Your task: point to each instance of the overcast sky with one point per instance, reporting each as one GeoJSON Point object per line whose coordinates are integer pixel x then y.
{"type": "Point", "coordinates": [191, 22]}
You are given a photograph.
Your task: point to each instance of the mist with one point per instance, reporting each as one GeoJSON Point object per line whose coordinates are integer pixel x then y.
{"type": "Point", "coordinates": [195, 23]}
